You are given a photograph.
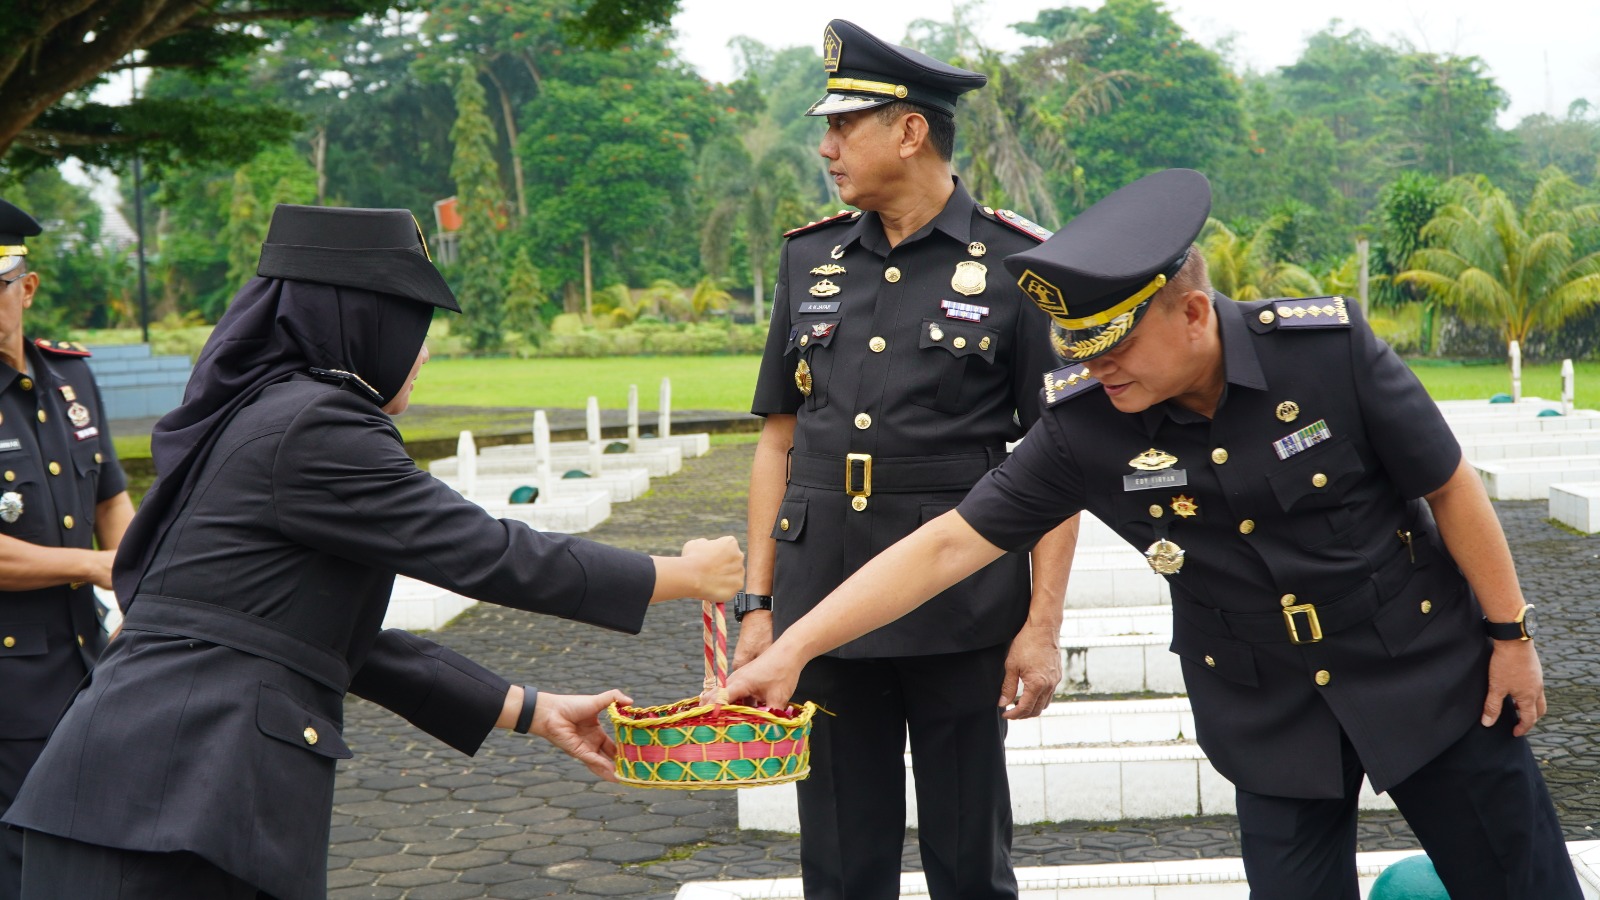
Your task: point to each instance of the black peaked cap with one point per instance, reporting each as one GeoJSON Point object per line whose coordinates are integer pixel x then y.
{"type": "Point", "coordinates": [15, 225]}
{"type": "Point", "coordinates": [377, 249]}
{"type": "Point", "coordinates": [1096, 276]}
{"type": "Point", "coordinates": [865, 71]}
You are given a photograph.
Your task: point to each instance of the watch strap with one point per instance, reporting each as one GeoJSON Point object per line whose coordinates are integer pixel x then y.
{"type": "Point", "coordinates": [744, 603]}
{"type": "Point", "coordinates": [530, 702]}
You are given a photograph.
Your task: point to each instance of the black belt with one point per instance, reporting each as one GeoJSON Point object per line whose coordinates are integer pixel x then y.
{"type": "Point", "coordinates": [1307, 622]}
{"type": "Point", "coordinates": [859, 474]}
{"type": "Point", "coordinates": [240, 631]}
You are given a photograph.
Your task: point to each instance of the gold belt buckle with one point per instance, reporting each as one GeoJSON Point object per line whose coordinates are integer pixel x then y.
{"type": "Point", "coordinates": [850, 461]}
{"type": "Point", "coordinates": [1311, 617]}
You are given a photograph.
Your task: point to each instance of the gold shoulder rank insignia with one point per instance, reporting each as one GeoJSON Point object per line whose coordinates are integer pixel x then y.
{"type": "Point", "coordinates": [841, 215]}
{"type": "Point", "coordinates": [1019, 223]}
{"type": "Point", "coordinates": [62, 348]}
{"type": "Point", "coordinates": [1067, 382]}
{"type": "Point", "coordinates": [1306, 312]}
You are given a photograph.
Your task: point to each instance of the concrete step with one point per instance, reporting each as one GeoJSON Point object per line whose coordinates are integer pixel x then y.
{"type": "Point", "coordinates": [1080, 780]}
{"type": "Point", "coordinates": [622, 484]}
{"type": "Point", "coordinates": [656, 463]}
{"type": "Point", "coordinates": [1116, 621]}
{"type": "Point", "coordinates": [1527, 406]}
{"type": "Point", "coordinates": [418, 606]}
{"type": "Point", "coordinates": [1181, 879]}
{"type": "Point", "coordinates": [1119, 664]}
{"type": "Point", "coordinates": [1516, 445]}
{"type": "Point", "coordinates": [1466, 428]}
{"type": "Point", "coordinates": [1114, 577]}
{"type": "Point", "coordinates": [1576, 505]}
{"type": "Point", "coordinates": [1530, 477]}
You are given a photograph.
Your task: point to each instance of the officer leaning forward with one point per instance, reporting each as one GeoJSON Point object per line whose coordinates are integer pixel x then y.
{"type": "Point", "coordinates": [1334, 562]}
{"type": "Point", "coordinates": [899, 362]}
{"type": "Point", "coordinates": [60, 490]}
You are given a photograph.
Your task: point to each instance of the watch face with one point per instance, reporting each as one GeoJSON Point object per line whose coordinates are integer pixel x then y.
{"type": "Point", "coordinates": [1530, 624]}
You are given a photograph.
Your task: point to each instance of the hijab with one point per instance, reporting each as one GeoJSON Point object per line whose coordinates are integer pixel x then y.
{"type": "Point", "coordinates": [274, 329]}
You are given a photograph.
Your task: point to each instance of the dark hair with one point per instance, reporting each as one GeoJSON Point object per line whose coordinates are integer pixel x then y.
{"type": "Point", "coordinates": [941, 127]}
{"type": "Point", "coordinates": [1194, 276]}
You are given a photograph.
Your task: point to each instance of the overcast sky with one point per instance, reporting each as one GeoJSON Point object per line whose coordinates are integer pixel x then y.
{"type": "Point", "coordinates": [1544, 53]}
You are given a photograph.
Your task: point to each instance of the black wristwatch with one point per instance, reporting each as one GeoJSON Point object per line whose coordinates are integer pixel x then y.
{"type": "Point", "coordinates": [1520, 629]}
{"type": "Point", "coordinates": [743, 603]}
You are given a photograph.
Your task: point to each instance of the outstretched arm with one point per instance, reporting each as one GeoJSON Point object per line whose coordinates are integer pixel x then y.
{"type": "Point", "coordinates": [895, 582]}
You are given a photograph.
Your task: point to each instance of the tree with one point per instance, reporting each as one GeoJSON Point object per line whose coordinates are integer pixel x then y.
{"type": "Point", "coordinates": [1447, 120]}
{"type": "Point", "coordinates": [1246, 268]}
{"type": "Point", "coordinates": [483, 215]}
{"type": "Point", "coordinates": [53, 52]}
{"type": "Point", "coordinates": [525, 299]}
{"type": "Point", "coordinates": [1520, 272]}
{"type": "Point", "coordinates": [1183, 111]}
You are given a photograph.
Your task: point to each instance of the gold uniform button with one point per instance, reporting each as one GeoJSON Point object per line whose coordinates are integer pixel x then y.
{"type": "Point", "coordinates": [55, 468]}
{"type": "Point", "coordinates": [1319, 480]}
{"type": "Point", "coordinates": [863, 421]}
{"type": "Point", "coordinates": [80, 640]}
{"type": "Point", "coordinates": [1219, 456]}
{"type": "Point", "coordinates": [1266, 317]}
{"type": "Point", "coordinates": [936, 333]}
{"type": "Point", "coordinates": [891, 274]}
{"type": "Point", "coordinates": [984, 344]}
{"type": "Point", "coordinates": [9, 642]}
{"type": "Point", "coordinates": [11, 476]}
{"type": "Point", "coordinates": [1211, 662]}
{"type": "Point", "coordinates": [783, 524]}
{"type": "Point", "coordinates": [878, 344]}
{"type": "Point", "coordinates": [66, 522]}
{"type": "Point", "coordinates": [99, 459]}
{"type": "Point", "coordinates": [42, 416]}
{"type": "Point", "coordinates": [805, 339]}
{"type": "Point", "coordinates": [1287, 600]}
{"type": "Point", "coordinates": [310, 734]}
{"type": "Point", "coordinates": [1156, 511]}
{"type": "Point", "coordinates": [1324, 676]}
{"type": "Point", "coordinates": [958, 343]}
{"type": "Point", "coordinates": [26, 383]}
{"type": "Point", "coordinates": [1247, 526]}
{"type": "Point", "coordinates": [858, 503]}
{"type": "Point", "coordinates": [1427, 607]}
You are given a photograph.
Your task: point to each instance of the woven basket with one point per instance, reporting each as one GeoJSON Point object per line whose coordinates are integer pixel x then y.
{"type": "Point", "coordinates": [693, 745]}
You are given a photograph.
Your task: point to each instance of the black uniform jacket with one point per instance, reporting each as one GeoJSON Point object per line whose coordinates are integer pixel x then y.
{"type": "Point", "coordinates": [1303, 489]}
{"type": "Point", "coordinates": [212, 722]}
{"type": "Point", "coordinates": [57, 461]}
{"type": "Point", "coordinates": [922, 357]}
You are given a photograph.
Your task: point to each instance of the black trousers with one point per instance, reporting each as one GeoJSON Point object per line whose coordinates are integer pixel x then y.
{"type": "Point", "coordinates": [1480, 809]}
{"type": "Point", "coordinates": [16, 758]}
{"type": "Point", "coordinates": [852, 807]}
{"type": "Point", "coordinates": [56, 868]}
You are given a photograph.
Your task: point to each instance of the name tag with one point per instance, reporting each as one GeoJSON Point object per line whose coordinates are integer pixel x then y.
{"type": "Point", "coordinates": [819, 306]}
{"type": "Point", "coordinates": [1149, 481]}
{"type": "Point", "coordinates": [13, 444]}
{"type": "Point", "coordinates": [83, 434]}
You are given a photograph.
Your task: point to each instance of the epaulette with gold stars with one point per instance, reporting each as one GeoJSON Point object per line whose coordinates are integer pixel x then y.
{"type": "Point", "coordinates": [62, 348]}
{"type": "Point", "coordinates": [1305, 312]}
{"type": "Point", "coordinates": [1026, 226]}
{"type": "Point", "coordinates": [1067, 382]}
{"type": "Point", "coordinates": [813, 226]}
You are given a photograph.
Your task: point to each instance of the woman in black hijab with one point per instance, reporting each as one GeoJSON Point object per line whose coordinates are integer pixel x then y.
{"type": "Point", "coordinates": [198, 760]}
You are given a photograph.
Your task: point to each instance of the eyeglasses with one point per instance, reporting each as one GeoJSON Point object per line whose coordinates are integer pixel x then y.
{"type": "Point", "coordinates": [8, 282]}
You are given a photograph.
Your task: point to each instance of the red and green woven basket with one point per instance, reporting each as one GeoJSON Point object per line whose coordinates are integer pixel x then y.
{"type": "Point", "coordinates": [694, 745]}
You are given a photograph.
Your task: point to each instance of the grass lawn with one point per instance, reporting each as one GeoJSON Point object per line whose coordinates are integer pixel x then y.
{"type": "Point", "coordinates": [725, 383]}
{"type": "Point", "coordinates": [698, 382]}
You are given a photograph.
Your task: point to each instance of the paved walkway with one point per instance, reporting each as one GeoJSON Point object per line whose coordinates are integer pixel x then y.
{"type": "Point", "coordinates": [417, 820]}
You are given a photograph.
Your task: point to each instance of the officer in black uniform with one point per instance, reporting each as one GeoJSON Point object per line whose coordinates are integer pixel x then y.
{"type": "Point", "coordinates": [61, 490]}
{"type": "Point", "coordinates": [1332, 557]}
{"type": "Point", "coordinates": [897, 368]}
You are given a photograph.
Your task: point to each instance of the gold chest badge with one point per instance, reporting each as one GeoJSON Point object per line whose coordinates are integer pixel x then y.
{"type": "Point", "coordinates": [970, 279]}
{"type": "Point", "coordinates": [802, 377]}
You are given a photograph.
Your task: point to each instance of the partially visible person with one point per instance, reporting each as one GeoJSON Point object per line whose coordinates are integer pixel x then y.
{"type": "Point", "coordinates": [1344, 602]}
{"type": "Point", "coordinates": [198, 760]}
{"type": "Point", "coordinates": [62, 494]}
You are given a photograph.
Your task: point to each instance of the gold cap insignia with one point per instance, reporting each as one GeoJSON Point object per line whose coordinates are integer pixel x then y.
{"type": "Point", "coordinates": [1153, 460]}
{"type": "Point", "coordinates": [831, 48]}
{"type": "Point", "coordinates": [1045, 295]}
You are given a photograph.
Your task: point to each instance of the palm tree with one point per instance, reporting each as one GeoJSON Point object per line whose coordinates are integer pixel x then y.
{"type": "Point", "coordinates": [1246, 268]}
{"type": "Point", "coordinates": [754, 182]}
{"type": "Point", "coordinates": [1518, 272]}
